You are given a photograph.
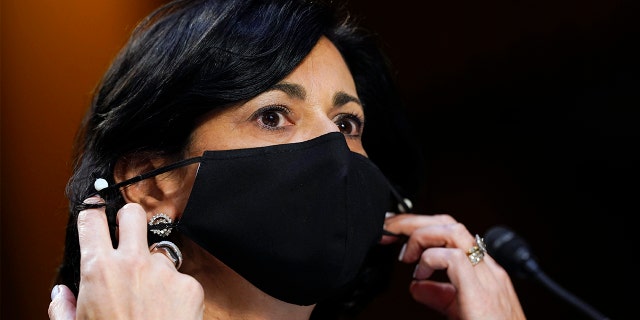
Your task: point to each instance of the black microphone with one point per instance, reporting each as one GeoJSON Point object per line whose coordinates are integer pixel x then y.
{"type": "Point", "coordinates": [512, 252]}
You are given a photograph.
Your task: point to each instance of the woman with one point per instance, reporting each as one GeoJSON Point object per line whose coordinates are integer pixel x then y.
{"type": "Point", "coordinates": [230, 137]}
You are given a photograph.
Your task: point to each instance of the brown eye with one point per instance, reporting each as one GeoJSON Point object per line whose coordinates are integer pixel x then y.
{"type": "Point", "coordinates": [349, 124]}
{"type": "Point", "coordinates": [271, 118]}
{"type": "Point", "coordinates": [345, 126]}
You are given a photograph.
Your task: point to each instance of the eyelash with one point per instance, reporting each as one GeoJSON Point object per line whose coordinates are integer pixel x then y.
{"type": "Point", "coordinates": [258, 114]}
{"type": "Point", "coordinates": [357, 119]}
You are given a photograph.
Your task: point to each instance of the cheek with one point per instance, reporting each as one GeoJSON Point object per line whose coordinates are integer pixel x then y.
{"type": "Point", "coordinates": [182, 195]}
{"type": "Point", "coordinates": [356, 146]}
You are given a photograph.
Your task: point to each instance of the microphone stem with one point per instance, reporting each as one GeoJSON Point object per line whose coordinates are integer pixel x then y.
{"type": "Point", "coordinates": [567, 296]}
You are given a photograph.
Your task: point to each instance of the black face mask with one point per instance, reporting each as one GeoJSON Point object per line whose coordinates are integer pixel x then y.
{"type": "Point", "coordinates": [295, 220]}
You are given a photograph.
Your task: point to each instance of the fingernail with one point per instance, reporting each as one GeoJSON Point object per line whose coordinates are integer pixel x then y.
{"type": "Point", "coordinates": [55, 291]}
{"type": "Point", "coordinates": [389, 215]}
{"type": "Point", "coordinates": [93, 200]}
{"type": "Point", "coordinates": [415, 271]}
{"type": "Point", "coordinates": [401, 255]}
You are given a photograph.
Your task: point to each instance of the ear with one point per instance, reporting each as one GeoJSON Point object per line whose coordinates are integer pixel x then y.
{"type": "Point", "coordinates": [163, 193]}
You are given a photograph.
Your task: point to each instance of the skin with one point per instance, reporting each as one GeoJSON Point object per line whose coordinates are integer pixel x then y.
{"type": "Point", "coordinates": [318, 97]}
{"type": "Point", "coordinates": [483, 291]}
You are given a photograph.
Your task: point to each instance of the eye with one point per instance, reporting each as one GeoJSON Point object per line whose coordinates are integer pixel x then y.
{"type": "Point", "coordinates": [350, 124]}
{"type": "Point", "coordinates": [271, 117]}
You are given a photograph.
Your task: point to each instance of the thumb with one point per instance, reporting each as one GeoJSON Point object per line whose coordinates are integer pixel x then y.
{"type": "Point", "coordinates": [63, 303]}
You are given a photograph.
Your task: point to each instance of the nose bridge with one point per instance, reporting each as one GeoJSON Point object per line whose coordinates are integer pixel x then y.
{"type": "Point", "coordinates": [320, 123]}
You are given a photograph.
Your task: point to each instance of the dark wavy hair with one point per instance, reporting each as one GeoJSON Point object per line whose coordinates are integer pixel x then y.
{"type": "Point", "coordinates": [190, 57]}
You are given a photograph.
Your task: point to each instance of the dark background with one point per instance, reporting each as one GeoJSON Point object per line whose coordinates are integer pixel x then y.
{"type": "Point", "coordinates": [527, 113]}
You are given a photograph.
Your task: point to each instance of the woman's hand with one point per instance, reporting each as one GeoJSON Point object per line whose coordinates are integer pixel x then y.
{"type": "Point", "coordinates": [128, 282]}
{"type": "Point", "coordinates": [439, 242]}
{"type": "Point", "coordinates": [63, 304]}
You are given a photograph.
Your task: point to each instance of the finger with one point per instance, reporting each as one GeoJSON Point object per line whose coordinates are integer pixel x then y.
{"type": "Point", "coordinates": [407, 223]}
{"type": "Point", "coordinates": [489, 271]}
{"type": "Point", "coordinates": [93, 230]}
{"type": "Point", "coordinates": [169, 250]}
{"type": "Point", "coordinates": [398, 226]}
{"type": "Point", "coordinates": [433, 259]}
{"type": "Point", "coordinates": [439, 296]}
{"type": "Point", "coordinates": [456, 263]}
{"type": "Point", "coordinates": [132, 228]}
{"type": "Point", "coordinates": [454, 235]}
{"type": "Point", "coordinates": [162, 256]}
{"type": "Point", "coordinates": [387, 236]}
{"type": "Point", "coordinates": [479, 289]}
{"type": "Point", "coordinates": [63, 304]}
{"type": "Point", "coordinates": [444, 296]}
{"type": "Point", "coordinates": [389, 239]}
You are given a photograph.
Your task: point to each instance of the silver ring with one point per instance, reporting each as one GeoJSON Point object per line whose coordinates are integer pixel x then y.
{"type": "Point", "coordinates": [477, 252]}
{"type": "Point", "coordinates": [170, 250]}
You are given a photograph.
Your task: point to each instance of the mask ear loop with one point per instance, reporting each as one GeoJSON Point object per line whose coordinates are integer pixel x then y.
{"type": "Point", "coordinates": [404, 205]}
{"type": "Point", "coordinates": [102, 186]}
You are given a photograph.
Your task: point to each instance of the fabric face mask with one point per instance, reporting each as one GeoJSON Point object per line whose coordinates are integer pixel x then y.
{"type": "Point", "coordinates": [295, 220]}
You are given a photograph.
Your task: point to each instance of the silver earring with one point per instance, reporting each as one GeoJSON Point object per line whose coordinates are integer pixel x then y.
{"type": "Point", "coordinates": [160, 224]}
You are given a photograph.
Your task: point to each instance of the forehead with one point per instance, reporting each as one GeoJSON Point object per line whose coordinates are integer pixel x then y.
{"type": "Point", "coordinates": [324, 68]}
{"type": "Point", "coordinates": [314, 93]}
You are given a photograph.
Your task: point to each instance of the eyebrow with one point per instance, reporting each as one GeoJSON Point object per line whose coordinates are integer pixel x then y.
{"type": "Point", "coordinates": [296, 91]}
{"type": "Point", "coordinates": [293, 90]}
{"type": "Point", "coordinates": [342, 98]}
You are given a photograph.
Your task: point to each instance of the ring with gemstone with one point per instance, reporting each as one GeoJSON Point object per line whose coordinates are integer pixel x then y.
{"type": "Point", "coordinates": [477, 252]}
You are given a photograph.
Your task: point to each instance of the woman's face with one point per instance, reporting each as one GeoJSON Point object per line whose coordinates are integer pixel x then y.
{"type": "Point", "coordinates": [318, 97]}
